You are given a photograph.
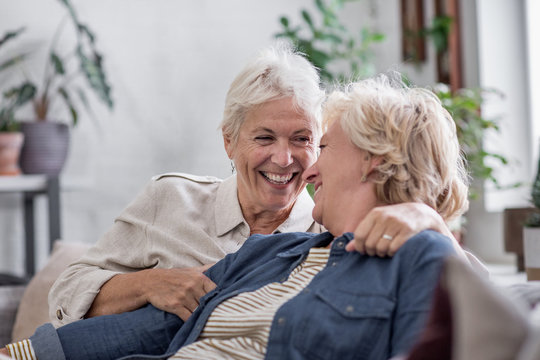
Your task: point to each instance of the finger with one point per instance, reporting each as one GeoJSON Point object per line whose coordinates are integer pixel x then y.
{"type": "Point", "coordinates": [203, 268]}
{"type": "Point", "coordinates": [208, 285]}
{"type": "Point", "coordinates": [397, 243]}
{"type": "Point", "coordinates": [382, 246]}
{"type": "Point", "coordinates": [363, 232]}
{"type": "Point", "coordinates": [373, 239]}
{"type": "Point", "coordinates": [183, 313]}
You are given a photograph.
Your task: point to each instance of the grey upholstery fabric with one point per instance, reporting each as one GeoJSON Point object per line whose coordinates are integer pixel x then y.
{"type": "Point", "coordinates": [10, 296]}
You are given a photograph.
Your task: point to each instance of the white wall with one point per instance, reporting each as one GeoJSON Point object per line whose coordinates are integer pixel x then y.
{"type": "Point", "coordinates": [170, 63]}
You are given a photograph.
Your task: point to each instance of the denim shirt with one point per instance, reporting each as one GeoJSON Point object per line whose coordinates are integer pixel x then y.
{"type": "Point", "coordinates": [357, 307]}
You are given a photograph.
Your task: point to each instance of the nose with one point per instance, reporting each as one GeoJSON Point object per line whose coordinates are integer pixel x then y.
{"type": "Point", "coordinates": [310, 174]}
{"type": "Point", "coordinates": [282, 154]}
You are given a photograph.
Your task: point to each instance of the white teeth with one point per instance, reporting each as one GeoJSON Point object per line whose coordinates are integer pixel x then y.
{"type": "Point", "coordinates": [278, 179]}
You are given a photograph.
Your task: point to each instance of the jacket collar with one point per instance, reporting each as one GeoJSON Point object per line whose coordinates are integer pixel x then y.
{"type": "Point", "coordinates": [228, 213]}
{"type": "Point", "coordinates": [321, 240]}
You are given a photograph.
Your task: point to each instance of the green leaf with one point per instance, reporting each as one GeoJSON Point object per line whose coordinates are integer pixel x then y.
{"type": "Point", "coordinates": [12, 61]}
{"type": "Point", "coordinates": [9, 35]}
{"type": "Point", "coordinates": [307, 19]}
{"type": "Point", "coordinates": [71, 11]}
{"type": "Point", "coordinates": [284, 21]}
{"type": "Point", "coordinates": [74, 115]}
{"type": "Point", "coordinates": [57, 64]}
{"type": "Point", "coordinates": [84, 30]}
{"type": "Point", "coordinates": [93, 70]}
{"type": "Point", "coordinates": [27, 91]}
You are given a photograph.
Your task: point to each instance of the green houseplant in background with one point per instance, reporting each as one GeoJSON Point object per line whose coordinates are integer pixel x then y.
{"type": "Point", "coordinates": [465, 106]}
{"type": "Point", "coordinates": [339, 54]}
{"type": "Point", "coordinates": [47, 139]}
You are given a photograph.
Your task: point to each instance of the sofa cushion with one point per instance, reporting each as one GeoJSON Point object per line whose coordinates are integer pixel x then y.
{"type": "Point", "coordinates": [10, 297]}
{"type": "Point", "coordinates": [34, 309]}
{"type": "Point", "coordinates": [480, 320]}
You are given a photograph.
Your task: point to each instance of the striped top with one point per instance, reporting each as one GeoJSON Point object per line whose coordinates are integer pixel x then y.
{"type": "Point", "coordinates": [239, 327]}
{"type": "Point", "coordinates": [21, 350]}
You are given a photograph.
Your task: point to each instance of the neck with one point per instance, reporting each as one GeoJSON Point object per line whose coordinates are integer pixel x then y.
{"type": "Point", "coordinates": [265, 222]}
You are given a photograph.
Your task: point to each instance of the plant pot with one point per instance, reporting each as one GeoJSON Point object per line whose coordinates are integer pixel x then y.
{"type": "Point", "coordinates": [10, 149]}
{"type": "Point", "coordinates": [45, 147]}
{"type": "Point", "coordinates": [531, 249]}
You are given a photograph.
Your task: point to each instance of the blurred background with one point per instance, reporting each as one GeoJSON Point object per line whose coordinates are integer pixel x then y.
{"type": "Point", "coordinates": [169, 63]}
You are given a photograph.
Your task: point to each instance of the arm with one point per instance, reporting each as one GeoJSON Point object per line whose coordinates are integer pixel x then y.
{"type": "Point", "coordinates": [420, 262]}
{"type": "Point", "coordinates": [117, 271]}
{"type": "Point", "coordinates": [401, 221]}
{"type": "Point", "coordinates": [175, 291]}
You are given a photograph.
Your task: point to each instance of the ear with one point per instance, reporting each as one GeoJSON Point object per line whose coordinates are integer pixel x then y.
{"type": "Point", "coordinates": [228, 145]}
{"type": "Point", "coordinates": [372, 163]}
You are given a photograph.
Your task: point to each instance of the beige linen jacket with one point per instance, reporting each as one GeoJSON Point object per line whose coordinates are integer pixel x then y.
{"type": "Point", "coordinates": [178, 220]}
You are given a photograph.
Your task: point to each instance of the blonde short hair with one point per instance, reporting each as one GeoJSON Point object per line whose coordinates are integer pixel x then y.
{"type": "Point", "coordinates": [276, 72]}
{"type": "Point", "coordinates": [415, 136]}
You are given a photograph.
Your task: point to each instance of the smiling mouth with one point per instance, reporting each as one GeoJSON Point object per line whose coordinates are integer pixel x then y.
{"type": "Point", "coordinates": [278, 179]}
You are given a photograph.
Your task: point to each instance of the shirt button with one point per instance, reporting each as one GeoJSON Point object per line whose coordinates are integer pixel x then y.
{"type": "Point", "coordinates": [334, 263]}
{"type": "Point", "coordinates": [59, 314]}
{"type": "Point", "coordinates": [281, 321]}
{"type": "Point", "coordinates": [349, 309]}
{"type": "Point", "coordinates": [341, 244]}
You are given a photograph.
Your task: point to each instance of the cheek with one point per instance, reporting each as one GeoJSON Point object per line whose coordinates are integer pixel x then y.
{"type": "Point", "coordinates": [306, 157]}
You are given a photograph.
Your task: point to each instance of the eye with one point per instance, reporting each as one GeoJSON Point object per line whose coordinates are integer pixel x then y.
{"type": "Point", "coordinates": [321, 147]}
{"type": "Point", "coordinates": [264, 139]}
{"type": "Point", "coordinates": [302, 140]}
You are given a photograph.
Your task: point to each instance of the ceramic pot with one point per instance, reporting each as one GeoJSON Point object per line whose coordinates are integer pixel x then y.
{"type": "Point", "coordinates": [10, 149]}
{"type": "Point", "coordinates": [45, 147]}
{"type": "Point", "coordinates": [531, 250]}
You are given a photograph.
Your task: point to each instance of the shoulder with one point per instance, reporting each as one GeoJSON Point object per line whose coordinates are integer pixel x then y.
{"type": "Point", "coordinates": [181, 188]}
{"type": "Point", "coordinates": [183, 177]}
{"type": "Point", "coordinates": [427, 243]}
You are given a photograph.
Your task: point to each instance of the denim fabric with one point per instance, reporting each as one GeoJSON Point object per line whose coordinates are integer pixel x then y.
{"type": "Point", "coordinates": [144, 331]}
{"type": "Point", "coordinates": [357, 307]}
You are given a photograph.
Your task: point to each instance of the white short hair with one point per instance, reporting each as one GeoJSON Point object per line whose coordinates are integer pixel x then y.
{"type": "Point", "coordinates": [277, 72]}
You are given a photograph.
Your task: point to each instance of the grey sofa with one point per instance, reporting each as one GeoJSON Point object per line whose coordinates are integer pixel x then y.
{"type": "Point", "coordinates": [25, 307]}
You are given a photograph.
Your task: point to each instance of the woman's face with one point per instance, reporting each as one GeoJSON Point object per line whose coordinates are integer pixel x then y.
{"type": "Point", "coordinates": [276, 143]}
{"type": "Point", "coordinates": [341, 198]}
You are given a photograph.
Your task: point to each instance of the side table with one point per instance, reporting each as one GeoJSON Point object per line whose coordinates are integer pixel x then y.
{"type": "Point", "coordinates": [31, 186]}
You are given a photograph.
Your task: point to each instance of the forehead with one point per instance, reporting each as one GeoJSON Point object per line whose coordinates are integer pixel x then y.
{"type": "Point", "coordinates": [334, 132]}
{"type": "Point", "coordinates": [277, 115]}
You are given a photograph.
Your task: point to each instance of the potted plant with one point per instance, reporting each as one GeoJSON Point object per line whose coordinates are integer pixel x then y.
{"type": "Point", "coordinates": [47, 139]}
{"type": "Point", "coordinates": [11, 139]}
{"type": "Point", "coordinates": [531, 232]}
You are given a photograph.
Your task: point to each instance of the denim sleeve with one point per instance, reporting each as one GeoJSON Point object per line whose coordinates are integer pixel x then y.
{"type": "Point", "coordinates": [46, 344]}
{"type": "Point", "coordinates": [147, 331]}
{"type": "Point", "coordinates": [421, 258]}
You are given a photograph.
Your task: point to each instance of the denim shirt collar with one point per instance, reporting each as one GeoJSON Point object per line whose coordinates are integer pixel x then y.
{"type": "Point", "coordinates": [320, 240]}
